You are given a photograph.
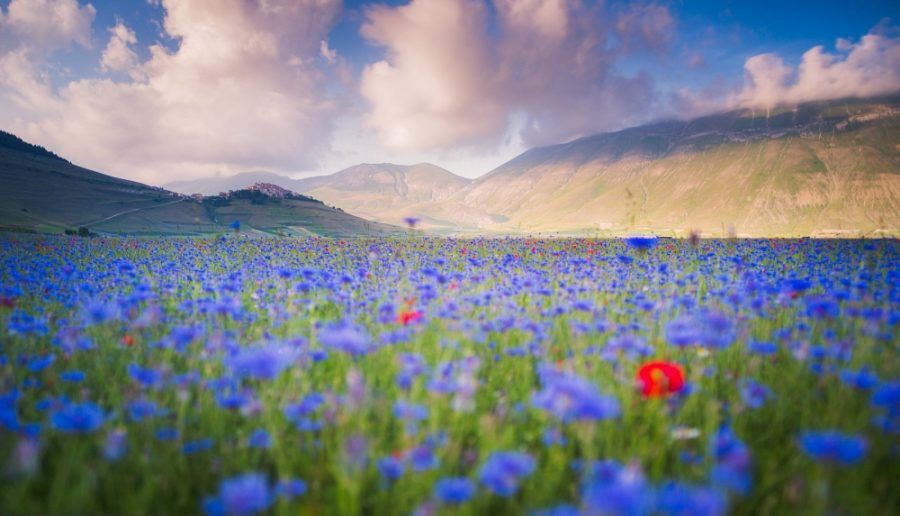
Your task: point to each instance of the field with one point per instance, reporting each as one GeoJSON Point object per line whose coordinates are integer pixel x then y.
{"type": "Point", "coordinates": [393, 375]}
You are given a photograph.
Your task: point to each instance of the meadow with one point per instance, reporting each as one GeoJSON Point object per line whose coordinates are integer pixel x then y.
{"type": "Point", "coordinates": [400, 375]}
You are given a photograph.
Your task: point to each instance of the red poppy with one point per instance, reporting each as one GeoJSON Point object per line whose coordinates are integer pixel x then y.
{"type": "Point", "coordinates": [408, 316]}
{"type": "Point", "coordinates": [128, 340]}
{"type": "Point", "coordinates": [659, 378]}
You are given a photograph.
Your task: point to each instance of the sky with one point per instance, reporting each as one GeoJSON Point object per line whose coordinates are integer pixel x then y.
{"type": "Point", "coordinates": [166, 90]}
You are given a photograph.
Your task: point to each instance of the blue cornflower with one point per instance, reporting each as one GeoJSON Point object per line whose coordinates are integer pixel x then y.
{"type": "Point", "coordinates": [245, 494]}
{"type": "Point", "coordinates": [674, 498]}
{"type": "Point", "coordinates": [572, 398]}
{"type": "Point", "coordinates": [115, 445]}
{"type": "Point", "coordinates": [833, 446]}
{"type": "Point", "coordinates": [259, 439]}
{"type": "Point", "coordinates": [610, 488]}
{"type": "Point", "coordinates": [422, 458]}
{"type": "Point", "coordinates": [391, 468]}
{"type": "Point", "coordinates": [763, 348]}
{"type": "Point", "coordinates": [262, 363]}
{"type": "Point", "coordinates": [290, 488]}
{"type": "Point", "coordinates": [754, 394]}
{"type": "Point", "coordinates": [454, 489]}
{"type": "Point", "coordinates": [346, 338]}
{"type": "Point", "coordinates": [200, 445]}
{"type": "Point", "coordinates": [502, 472]}
{"type": "Point", "coordinates": [863, 379]}
{"type": "Point", "coordinates": [147, 377]}
{"type": "Point", "coordinates": [167, 434]}
{"type": "Point", "coordinates": [39, 364]}
{"type": "Point", "coordinates": [732, 462]}
{"type": "Point", "coordinates": [410, 412]}
{"type": "Point", "coordinates": [642, 243]}
{"type": "Point", "coordinates": [72, 376]}
{"type": "Point", "coordinates": [78, 418]}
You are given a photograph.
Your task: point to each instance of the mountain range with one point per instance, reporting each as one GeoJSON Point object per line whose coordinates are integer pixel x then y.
{"type": "Point", "coordinates": [823, 168]}
{"type": "Point", "coordinates": [39, 191]}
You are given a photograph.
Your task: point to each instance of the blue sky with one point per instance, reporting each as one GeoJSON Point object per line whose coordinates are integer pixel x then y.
{"type": "Point", "coordinates": [164, 89]}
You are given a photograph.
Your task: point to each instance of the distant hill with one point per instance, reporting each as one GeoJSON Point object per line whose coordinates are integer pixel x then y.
{"type": "Point", "coordinates": [383, 191]}
{"type": "Point", "coordinates": [820, 168]}
{"type": "Point", "coordinates": [218, 184]}
{"type": "Point", "coordinates": [41, 192]}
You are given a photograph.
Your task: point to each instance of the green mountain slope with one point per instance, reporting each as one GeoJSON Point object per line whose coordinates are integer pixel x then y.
{"type": "Point", "coordinates": [42, 192]}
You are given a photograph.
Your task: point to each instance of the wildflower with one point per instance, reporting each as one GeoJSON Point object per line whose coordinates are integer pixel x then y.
{"type": "Point", "coordinates": [290, 488]}
{"type": "Point", "coordinates": [391, 468]}
{"type": "Point", "coordinates": [610, 488]}
{"type": "Point", "coordinates": [572, 398]}
{"type": "Point", "coordinates": [422, 458]}
{"type": "Point", "coordinates": [754, 394]}
{"type": "Point", "coordinates": [454, 489]}
{"type": "Point", "coordinates": [863, 379]}
{"type": "Point", "coordinates": [147, 377]}
{"type": "Point", "coordinates": [411, 221]}
{"type": "Point", "coordinates": [72, 376]}
{"type": "Point", "coordinates": [259, 439]}
{"type": "Point", "coordinates": [78, 418]}
{"type": "Point", "coordinates": [642, 243]}
{"type": "Point", "coordinates": [833, 446]}
{"type": "Point", "coordinates": [503, 471]}
{"type": "Point", "coordinates": [261, 363]}
{"type": "Point", "coordinates": [659, 378]}
{"type": "Point", "coordinates": [200, 445]}
{"type": "Point", "coordinates": [407, 317]}
{"type": "Point", "coordinates": [241, 495]}
{"type": "Point", "coordinates": [732, 462]}
{"type": "Point", "coordinates": [674, 498]}
{"type": "Point", "coordinates": [128, 340]}
{"type": "Point", "coordinates": [115, 445]}
{"type": "Point", "coordinates": [346, 338]}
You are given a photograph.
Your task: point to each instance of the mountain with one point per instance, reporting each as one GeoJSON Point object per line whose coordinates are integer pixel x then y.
{"type": "Point", "coordinates": [218, 184]}
{"type": "Point", "coordinates": [819, 168]}
{"type": "Point", "coordinates": [389, 193]}
{"type": "Point", "coordinates": [384, 192]}
{"type": "Point", "coordinates": [42, 192]}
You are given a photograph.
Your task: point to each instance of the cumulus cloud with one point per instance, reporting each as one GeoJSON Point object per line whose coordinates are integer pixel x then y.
{"type": "Point", "coordinates": [118, 55]}
{"type": "Point", "coordinates": [448, 80]}
{"type": "Point", "coordinates": [241, 90]}
{"type": "Point", "coordinates": [46, 24]}
{"type": "Point", "coordinates": [868, 68]}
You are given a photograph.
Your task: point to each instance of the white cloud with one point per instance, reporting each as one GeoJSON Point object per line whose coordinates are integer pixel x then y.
{"type": "Point", "coordinates": [868, 68]}
{"type": "Point", "coordinates": [448, 81]}
{"type": "Point", "coordinates": [118, 55]}
{"type": "Point", "coordinates": [46, 24]}
{"type": "Point", "coordinates": [240, 91]}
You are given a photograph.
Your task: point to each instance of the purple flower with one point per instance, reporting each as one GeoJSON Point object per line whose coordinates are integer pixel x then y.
{"type": "Point", "coordinates": [832, 446]}
{"type": "Point", "coordinates": [245, 494]}
{"type": "Point", "coordinates": [610, 488]}
{"type": "Point", "coordinates": [454, 489]}
{"type": "Point", "coordinates": [115, 445]}
{"type": "Point", "coordinates": [502, 472]}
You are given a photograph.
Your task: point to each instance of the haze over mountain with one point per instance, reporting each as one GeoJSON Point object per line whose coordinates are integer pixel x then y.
{"type": "Point", "coordinates": [40, 191]}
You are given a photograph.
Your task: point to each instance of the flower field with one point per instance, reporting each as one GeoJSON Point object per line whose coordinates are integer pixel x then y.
{"type": "Point", "coordinates": [448, 376]}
